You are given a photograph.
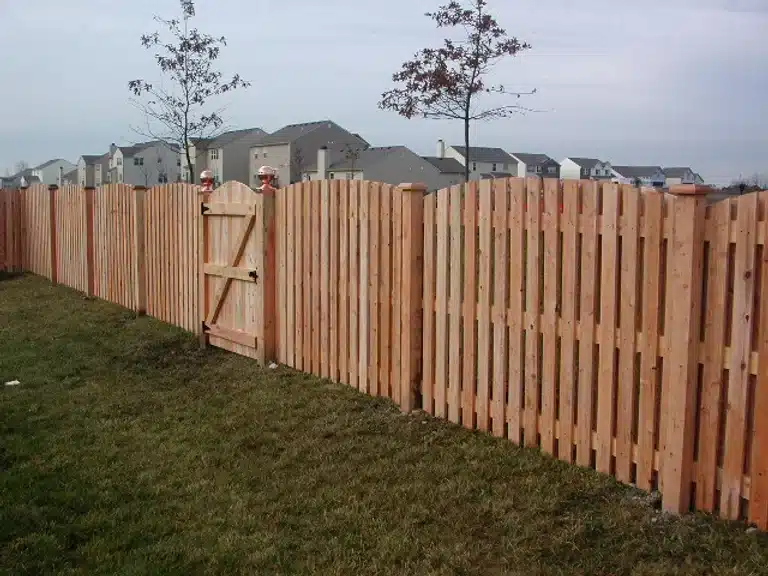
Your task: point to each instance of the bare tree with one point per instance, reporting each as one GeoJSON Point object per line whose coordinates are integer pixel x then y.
{"type": "Point", "coordinates": [298, 162]}
{"type": "Point", "coordinates": [179, 113]}
{"type": "Point", "coordinates": [445, 82]}
{"type": "Point", "coordinates": [21, 165]}
{"type": "Point", "coordinates": [352, 155]}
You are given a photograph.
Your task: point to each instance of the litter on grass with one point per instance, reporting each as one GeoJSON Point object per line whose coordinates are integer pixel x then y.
{"type": "Point", "coordinates": [13, 383]}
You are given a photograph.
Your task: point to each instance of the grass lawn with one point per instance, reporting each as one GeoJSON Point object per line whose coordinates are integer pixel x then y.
{"type": "Point", "coordinates": [126, 450]}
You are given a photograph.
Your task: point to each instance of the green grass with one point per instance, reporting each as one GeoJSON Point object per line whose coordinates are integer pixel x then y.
{"type": "Point", "coordinates": [126, 450]}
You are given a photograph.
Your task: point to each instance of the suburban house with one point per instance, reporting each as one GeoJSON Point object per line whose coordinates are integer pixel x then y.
{"type": "Point", "coordinates": [388, 164]}
{"type": "Point", "coordinates": [639, 175]}
{"type": "Point", "coordinates": [536, 165]}
{"type": "Point", "coordinates": [292, 149]}
{"type": "Point", "coordinates": [145, 164]}
{"type": "Point", "coordinates": [52, 171]}
{"type": "Point", "coordinates": [225, 155]}
{"type": "Point", "coordinates": [71, 178]}
{"type": "Point", "coordinates": [681, 175]}
{"type": "Point", "coordinates": [483, 162]}
{"type": "Point", "coordinates": [19, 180]}
{"type": "Point", "coordinates": [86, 169]}
{"type": "Point", "coordinates": [585, 169]}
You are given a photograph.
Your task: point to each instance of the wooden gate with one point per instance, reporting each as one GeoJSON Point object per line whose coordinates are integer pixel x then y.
{"type": "Point", "coordinates": [237, 279]}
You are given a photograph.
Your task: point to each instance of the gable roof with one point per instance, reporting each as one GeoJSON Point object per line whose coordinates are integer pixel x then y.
{"type": "Point", "coordinates": [637, 171]}
{"type": "Point", "coordinates": [90, 158]}
{"type": "Point", "coordinates": [532, 159]}
{"type": "Point", "coordinates": [291, 132]}
{"type": "Point", "coordinates": [585, 162]}
{"type": "Point", "coordinates": [484, 154]}
{"type": "Point", "coordinates": [677, 172]}
{"type": "Point", "coordinates": [445, 165]}
{"type": "Point", "coordinates": [233, 135]}
{"type": "Point", "coordinates": [48, 163]}
{"type": "Point", "coordinates": [367, 158]}
{"type": "Point", "coordinates": [72, 175]}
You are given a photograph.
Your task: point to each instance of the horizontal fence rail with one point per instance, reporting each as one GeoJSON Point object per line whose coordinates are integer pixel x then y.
{"type": "Point", "coordinates": [611, 327]}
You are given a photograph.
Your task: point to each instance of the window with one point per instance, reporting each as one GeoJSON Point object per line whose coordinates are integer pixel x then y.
{"type": "Point", "coordinates": [265, 154]}
{"type": "Point", "coordinates": [350, 175]}
{"type": "Point", "coordinates": [214, 154]}
{"type": "Point", "coordinates": [162, 178]}
{"type": "Point", "coordinates": [119, 178]}
{"type": "Point", "coordinates": [493, 167]}
{"type": "Point", "coordinates": [178, 162]}
{"type": "Point", "coordinates": [504, 167]}
{"type": "Point", "coordinates": [138, 161]}
{"type": "Point", "coordinates": [538, 169]}
{"type": "Point", "coordinates": [474, 166]}
{"type": "Point", "coordinates": [331, 175]}
{"type": "Point", "coordinates": [159, 160]}
{"type": "Point", "coordinates": [119, 161]}
{"type": "Point", "coordinates": [551, 170]}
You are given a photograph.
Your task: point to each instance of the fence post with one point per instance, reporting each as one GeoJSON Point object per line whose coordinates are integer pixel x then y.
{"type": "Point", "coordinates": [411, 308]}
{"type": "Point", "coordinates": [139, 251]}
{"type": "Point", "coordinates": [684, 292]}
{"type": "Point", "coordinates": [89, 271]}
{"type": "Point", "coordinates": [266, 237]}
{"type": "Point", "coordinates": [52, 191]}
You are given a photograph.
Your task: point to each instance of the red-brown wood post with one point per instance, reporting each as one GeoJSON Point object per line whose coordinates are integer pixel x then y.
{"type": "Point", "coordinates": [411, 303]}
{"type": "Point", "coordinates": [52, 191]}
{"type": "Point", "coordinates": [266, 267]}
{"type": "Point", "coordinates": [684, 291]}
{"type": "Point", "coordinates": [139, 251]}
{"type": "Point", "coordinates": [91, 287]}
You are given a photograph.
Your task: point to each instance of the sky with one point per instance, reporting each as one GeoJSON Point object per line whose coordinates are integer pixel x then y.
{"type": "Point", "coordinates": [651, 82]}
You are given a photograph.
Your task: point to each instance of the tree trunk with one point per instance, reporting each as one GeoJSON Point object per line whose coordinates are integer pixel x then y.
{"type": "Point", "coordinates": [190, 167]}
{"type": "Point", "coordinates": [466, 149]}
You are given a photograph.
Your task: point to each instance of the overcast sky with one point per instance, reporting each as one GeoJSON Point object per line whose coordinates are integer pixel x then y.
{"type": "Point", "coordinates": [662, 82]}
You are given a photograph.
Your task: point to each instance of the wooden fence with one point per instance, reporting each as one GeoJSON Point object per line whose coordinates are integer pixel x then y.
{"type": "Point", "coordinates": [615, 328]}
{"type": "Point", "coordinates": [10, 230]}
{"type": "Point", "coordinates": [172, 254]}
{"type": "Point", "coordinates": [343, 279]}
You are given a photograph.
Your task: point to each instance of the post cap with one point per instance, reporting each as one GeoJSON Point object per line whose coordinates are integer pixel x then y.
{"type": "Point", "coordinates": [53, 187]}
{"type": "Point", "coordinates": [413, 187]}
{"type": "Point", "coordinates": [139, 187]}
{"type": "Point", "coordinates": [689, 190]}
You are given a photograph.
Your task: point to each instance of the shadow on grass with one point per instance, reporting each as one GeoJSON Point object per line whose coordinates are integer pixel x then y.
{"type": "Point", "coordinates": [10, 275]}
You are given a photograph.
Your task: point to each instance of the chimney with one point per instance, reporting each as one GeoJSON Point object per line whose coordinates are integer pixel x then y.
{"type": "Point", "coordinates": [322, 163]}
{"type": "Point", "coordinates": [440, 148]}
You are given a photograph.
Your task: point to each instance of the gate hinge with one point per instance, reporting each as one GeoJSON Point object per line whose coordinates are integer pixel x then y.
{"type": "Point", "coordinates": [205, 327]}
{"type": "Point", "coordinates": [254, 275]}
{"type": "Point", "coordinates": [204, 208]}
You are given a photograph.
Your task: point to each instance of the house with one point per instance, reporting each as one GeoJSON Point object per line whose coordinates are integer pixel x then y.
{"type": "Point", "coordinates": [535, 165]}
{"type": "Point", "coordinates": [292, 149]}
{"type": "Point", "coordinates": [388, 164]}
{"type": "Point", "coordinates": [681, 175]}
{"type": "Point", "coordinates": [71, 178]}
{"type": "Point", "coordinates": [225, 155]}
{"type": "Point", "coordinates": [51, 172]}
{"type": "Point", "coordinates": [145, 164]}
{"type": "Point", "coordinates": [20, 179]}
{"type": "Point", "coordinates": [483, 162]}
{"type": "Point", "coordinates": [86, 170]}
{"type": "Point", "coordinates": [585, 169]}
{"type": "Point", "coordinates": [639, 175]}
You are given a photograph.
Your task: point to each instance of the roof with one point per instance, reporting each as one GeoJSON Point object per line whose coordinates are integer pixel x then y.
{"type": "Point", "coordinates": [494, 175]}
{"type": "Point", "coordinates": [291, 132]}
{"type": "Point", "coordinates": [367, 157]}
{"type": "Point", "coordinates": [72, 175]}
{"type": "Point", "coordinates": [90, 158]}
{"type": "Point", "coordinates": [229, 137]}
{"type": "Point", "coordinates": [445, 165]}
{"type": "Point", "coordinates": [637, 171]}
{"type": "Point", "coordinates": [676, 172]}
{"type": "Point", "coordinates": [585, 162]}
{"type": "Point", "coordinates": [532, 159]}
{"type": "Point", "coordinates": [48, 163]}
{"type": "Point", "coordinates": [482, 154]}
